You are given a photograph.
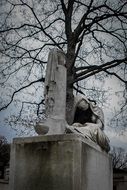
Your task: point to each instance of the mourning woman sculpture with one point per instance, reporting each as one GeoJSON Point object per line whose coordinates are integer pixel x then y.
{"type": "Point", "coordinates": [88, 120]}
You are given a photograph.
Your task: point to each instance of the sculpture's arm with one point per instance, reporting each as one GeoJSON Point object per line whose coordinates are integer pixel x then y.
{"type": "Point", "coordinates": [100, 124]}
{"type": "Point", "coordinates": [97, 121]}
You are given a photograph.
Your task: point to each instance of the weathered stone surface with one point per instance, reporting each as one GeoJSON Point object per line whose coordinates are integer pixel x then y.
{"type": "Point", "coordinates": [4, 185]}
{"type": "Point", "coordinates": [59, 162]}
{"type": "Point", "coordinates": [55, 84]}
{"type": "Point", "coordinates": [55, 95]}
{"type": "Point", "coordinates": [88, 119]}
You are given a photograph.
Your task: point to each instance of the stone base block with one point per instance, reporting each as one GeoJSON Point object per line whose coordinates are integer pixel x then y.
{"type": "Point", "coordinates": [59, 162]}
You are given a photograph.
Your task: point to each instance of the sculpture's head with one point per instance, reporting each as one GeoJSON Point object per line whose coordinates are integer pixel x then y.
{"type": "Point", "coordinates": [87, 111]}
{"type": "Point", "coordinates": [83, 104]}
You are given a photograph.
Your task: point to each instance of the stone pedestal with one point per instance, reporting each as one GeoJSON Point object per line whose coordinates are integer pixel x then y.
{"type": "Point", "coordinates": [59, 162]}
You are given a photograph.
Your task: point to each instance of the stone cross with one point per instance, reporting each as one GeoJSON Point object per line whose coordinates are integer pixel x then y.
{"type": "Point", "coordinates": [55, 95]}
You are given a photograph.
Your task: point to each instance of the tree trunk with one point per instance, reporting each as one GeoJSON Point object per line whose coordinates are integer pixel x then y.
{"type": "Point", "coordinates": [69, 101]}
{"type": "Point", "coordinates": [70, 78]}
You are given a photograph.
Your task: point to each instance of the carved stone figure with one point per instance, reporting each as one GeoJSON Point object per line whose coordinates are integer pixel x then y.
{"type": "Point", "coordinates": [88, 118]}
{"type": "Point", "coordinates": [86, 111]}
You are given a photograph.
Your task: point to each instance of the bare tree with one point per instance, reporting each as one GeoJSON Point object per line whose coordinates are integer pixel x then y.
{"type": "Point", "coordinates": [4, 149]}
{"type": "Point", "coordinates": [92, 34]}
{"type": "Point", "coordinates": [119, 158]}
{"type": "Point", "coordinates": [4, 154]}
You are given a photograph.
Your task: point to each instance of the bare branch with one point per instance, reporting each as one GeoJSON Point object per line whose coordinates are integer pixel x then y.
{"type": "Point", "coordinates": [92, 70]}
{"type": "Point", "coordinates": [112, 73]}
{"type": "Point", "coordinates": [20, 89]}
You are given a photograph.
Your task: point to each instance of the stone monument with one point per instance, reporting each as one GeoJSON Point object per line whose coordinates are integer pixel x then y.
{"type": "Point", "coordinates": [71, 157]}
{"type": "Point", "coordinates": [88, 118]}
{"type": "Point", "coordinates": [55, 95]}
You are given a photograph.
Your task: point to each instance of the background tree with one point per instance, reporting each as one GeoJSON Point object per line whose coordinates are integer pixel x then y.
{"type": "Point", "coordinates": [91, 33]}
{"type": "Point", "coordinates": [4, 154]}
{"type": "Point", "coordinates": [119, 158]}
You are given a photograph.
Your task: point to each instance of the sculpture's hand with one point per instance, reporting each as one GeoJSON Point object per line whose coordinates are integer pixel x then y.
{"type": "Point", "coordinates": [90, 125]}
{"type": "Point", "coordinates": [77, 125]}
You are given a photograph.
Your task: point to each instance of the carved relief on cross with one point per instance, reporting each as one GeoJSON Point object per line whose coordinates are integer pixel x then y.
{"type": "Point", "coordinates": [55, 95]}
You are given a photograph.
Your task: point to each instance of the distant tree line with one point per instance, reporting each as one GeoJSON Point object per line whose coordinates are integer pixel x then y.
{"type": "Point", "coordinates": [4, 154]}
{"type": "Point", "coordinates": [119, 158]}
